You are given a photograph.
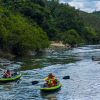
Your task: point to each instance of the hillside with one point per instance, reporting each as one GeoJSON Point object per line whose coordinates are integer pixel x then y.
{"type": "Point", "coordinates": [29, 25]}
{"type": "Point", "coordinates": [92, 20]}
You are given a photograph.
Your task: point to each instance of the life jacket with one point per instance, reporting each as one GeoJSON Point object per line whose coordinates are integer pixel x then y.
{"type": "Point", "coordinates": [7, 74]}
{"type": "Point", "coordinates": [51, 81]}
{"type": "Point", "coordinates": [54, 81]}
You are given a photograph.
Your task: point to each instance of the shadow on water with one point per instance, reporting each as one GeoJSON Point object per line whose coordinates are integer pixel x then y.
{"type": "Point", "coordinates": [34, 63]}
{"type": "Point", "coordinates": [45, 60]}
{"type": "Point", "coordinates": [7, 87]}
{"type": "Point", "coordinates": [49, 96]}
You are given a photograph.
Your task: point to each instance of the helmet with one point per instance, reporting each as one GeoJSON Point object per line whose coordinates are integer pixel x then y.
{"type": "Point", "coordinates": [50, 75]}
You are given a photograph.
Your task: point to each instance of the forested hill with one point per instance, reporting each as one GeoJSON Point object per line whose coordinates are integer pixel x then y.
{"type": "Point", "coordinates": [96, 13]}
{"type": "Point", "coordinates": [27, 25]}
{"type": "Point", "coordinates": [92, 20]}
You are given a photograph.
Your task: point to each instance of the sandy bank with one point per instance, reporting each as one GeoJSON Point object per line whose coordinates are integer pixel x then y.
{"type": "Point", "coordinates": [59, 44]}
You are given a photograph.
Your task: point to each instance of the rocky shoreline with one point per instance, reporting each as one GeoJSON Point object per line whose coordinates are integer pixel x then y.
{"type": "Point", "coordinates": [6, 57]}
{"type": "Point", "coordinates": [59, 44]}
{"type": "Point", "coordinates": [55, 45]}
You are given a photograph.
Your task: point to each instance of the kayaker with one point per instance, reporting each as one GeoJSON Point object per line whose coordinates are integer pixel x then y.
{"type": "Point", "coordinates": [51, 80]}
{"type": "Point", "coordinates": [7, 74]}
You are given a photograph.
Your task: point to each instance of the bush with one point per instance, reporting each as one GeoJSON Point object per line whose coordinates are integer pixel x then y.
{"type": "Point", "coordinates": [19, 36]}
{"type": "Point", "coordinates": [71, 37]}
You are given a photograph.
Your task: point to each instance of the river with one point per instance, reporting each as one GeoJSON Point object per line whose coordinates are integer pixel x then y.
{"type": "Point", "coordinates": [84, 82]}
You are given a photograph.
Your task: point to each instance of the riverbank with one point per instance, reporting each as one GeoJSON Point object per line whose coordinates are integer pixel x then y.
{"type": "Point", "coordinates": [59, 44]}
{"type": "Point", "coordinates": [53, 46]}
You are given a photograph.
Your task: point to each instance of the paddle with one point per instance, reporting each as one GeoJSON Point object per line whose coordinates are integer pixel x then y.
{"type": "Point", "coordinates": [66, 77]}
{"type": "Point", "coordinates": [2, 69]}
{"type": "Point", "coordinates": [37, 81]}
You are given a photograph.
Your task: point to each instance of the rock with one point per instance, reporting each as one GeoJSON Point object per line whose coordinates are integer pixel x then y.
{"type": "Point", "coordinates": [96, 58]}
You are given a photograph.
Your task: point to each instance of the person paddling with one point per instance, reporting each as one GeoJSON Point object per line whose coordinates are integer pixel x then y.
{"type": "Point", "coordinates": [7, 74]}
{"type": "Point", "coordinates": [51, 80]}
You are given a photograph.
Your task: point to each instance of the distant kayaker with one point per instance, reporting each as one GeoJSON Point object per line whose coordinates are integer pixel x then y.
{"type": "Point", "coordinates": [7, 74]}
{"type": "Point", "coordinates": [51, 80]}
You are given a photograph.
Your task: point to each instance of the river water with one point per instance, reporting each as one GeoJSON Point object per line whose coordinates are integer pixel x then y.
{"type": "Point", "coordinates": [84, 82]}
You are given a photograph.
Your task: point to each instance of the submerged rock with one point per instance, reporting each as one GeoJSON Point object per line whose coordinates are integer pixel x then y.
{"type": "Point", "coordinates": [96, 58]}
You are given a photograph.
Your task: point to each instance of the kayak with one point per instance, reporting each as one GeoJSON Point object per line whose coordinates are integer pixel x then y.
{"type": "Point", "coordinates": [51, 89]}
{"type": "Point", "coordinates": [13, 78]}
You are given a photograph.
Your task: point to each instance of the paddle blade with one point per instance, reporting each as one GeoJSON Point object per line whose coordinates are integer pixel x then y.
{"type": "Point", "coordinates": [66, 77]}
{"type": "Point", "coordinates": [35, 82]}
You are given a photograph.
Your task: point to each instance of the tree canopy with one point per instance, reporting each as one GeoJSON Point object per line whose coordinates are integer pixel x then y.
{"type": "Point", "coordinates": [27, 25]}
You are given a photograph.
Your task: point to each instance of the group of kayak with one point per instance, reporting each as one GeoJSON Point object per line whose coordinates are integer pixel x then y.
{"type": "Point", "coordinates": [51, 82]}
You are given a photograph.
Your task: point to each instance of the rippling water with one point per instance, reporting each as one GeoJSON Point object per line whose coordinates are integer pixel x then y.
{"type": "Point", "coordinates": [77, 63]}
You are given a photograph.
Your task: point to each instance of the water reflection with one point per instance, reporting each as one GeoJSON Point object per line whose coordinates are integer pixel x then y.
{"type": "Point", "coordinates": [49, 96]}
{"type": "Point", "coordinates": [7, 87]}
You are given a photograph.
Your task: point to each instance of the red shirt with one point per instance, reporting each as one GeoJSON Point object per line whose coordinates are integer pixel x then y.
{"type": "Point", "coordinates": [7, 74]}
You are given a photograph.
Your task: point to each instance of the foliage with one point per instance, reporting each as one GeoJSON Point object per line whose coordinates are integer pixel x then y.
{"type": "Point", "coordinates": [26, 25]}
{"type": "Point", "coordinates": [18, 36]}
{"type": "Point", "coordinates": [92, 20]}
{"type": "Point", "coordinates": [72, 37]}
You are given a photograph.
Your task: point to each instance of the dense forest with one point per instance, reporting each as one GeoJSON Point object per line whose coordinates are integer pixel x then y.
{"type": "Point", "coordinates": [92, 20]}
{"type": "Point", "coordinates": [29, 25]}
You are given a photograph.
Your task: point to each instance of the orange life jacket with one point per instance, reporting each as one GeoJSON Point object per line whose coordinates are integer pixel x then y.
{"type": "Point", "coordinates": [51, 81]}
{"type": "Point", "coordinates": [54, 81]}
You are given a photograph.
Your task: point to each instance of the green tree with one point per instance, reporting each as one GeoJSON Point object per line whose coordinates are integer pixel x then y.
{"type": "Point", "coordinates": [72, 37]}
